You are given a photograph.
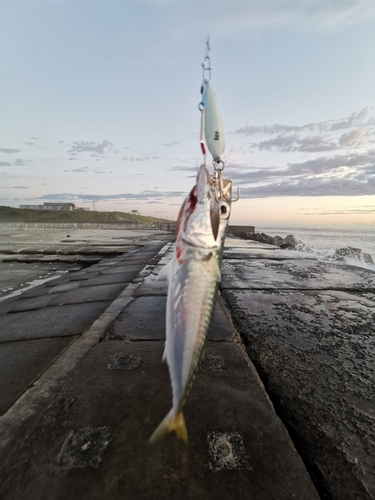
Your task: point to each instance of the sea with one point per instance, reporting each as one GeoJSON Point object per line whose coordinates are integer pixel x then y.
{"type": "Point", "coordinates": [322, 241]}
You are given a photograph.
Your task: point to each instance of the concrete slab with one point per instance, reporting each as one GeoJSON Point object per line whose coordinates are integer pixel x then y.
{"type": "Point", "coordinates": [58, 281]}
{"type": "Point", "coordinates": [88, 294]}
{"type": "Point", "coordinates": [37, 291]}
{"type": "Point", "coordinates": [152, 285]}
{"type": "Point", "coordinates": [125, 267]}
{"type": "Point", "coordinates": [25, 304]}
{"type": "Point", "coordinates": [59, 321]}
{"type": "Point", "coordinates": [50, 258]}
{"type": "Point", "coordinates": [17, 276]}
{"type": "Point", "coordinates": [6, 305]}
{"type": "Point", "coordinates": [144, 319]}
{"type": "Point", "coordinates": [70, 259]}
{"type": "Point", "coordinates": [315, 350]}
{"type": "Point", "coordinates": [115, 250]}
{"type": "Point", "coordinates": [63, 287]}
{"type": "Point", "coordinates": [55, 249]}
{"type": "Point", "coordinates": [84, 275]}
{"type": "Point", "coordinates": [89, 260]}
{"type": "Point", "coordinates": [10, 258]}
{"type": "Point", "coordinates": [238, 447]}
{"type": "Point", "coordinates": [29, 258]}
{"type": "Point", "coordinates": [6, 319]}
{"type": "Point", "coordinates": [295, 274]}
{"type": "Point", "coordinates": [22, 362]}
{"type": "Point", "coordinates": [29, 250]}
{"type": "Point", "coordinates": [89, 250]}
{"type": "Point", "coordinates": [109, 279]}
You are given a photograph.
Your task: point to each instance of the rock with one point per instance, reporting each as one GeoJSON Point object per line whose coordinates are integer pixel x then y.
{"type": "Point", "coordinates": [277, 240]}
{"type": "Point", "coordinates": [351, 252]}
{"type": "Point", "coordinates": [368, 259]}
{"type": "Point", "coordinates": [290, 240]}
{"type": "Point", "coordinates": [253, 236]}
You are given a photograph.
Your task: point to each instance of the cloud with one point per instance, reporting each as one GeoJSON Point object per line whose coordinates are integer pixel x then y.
{"type": "Point", "coordinates": [169, 144]}
{"type": "Point", "coordinates": [9, 150]}
{"type": "Point", "coordinates": [356, 119]}
{"type": "Point", "coordinates": [340, 175]}
{"type": "Point", "coordinates": [311, 187]}
{"type": "Point", "coordinates": [83, 169]}
{"type": "Point", "coordinates": [142, 196]}
{"type": "Point", "coordinates": [314, 137]}
{"type": "Point", "coordinates": [15, 187]}
{"type": "Point", "coordinates": [86, 170]}
{"type": "Point", "coordinates": [352, 138]}
{"type": "Point", "coordinates": [184, 169]}
{"type": "Point", "coordinates": [96, 149]}
{"type": "Point", "coordinates": [350, 211]}
{"type": "Point", "coordinates": [132, 158]}
{"type": "Point", "coordinates": [242, 15]}
{"type": "Point", "coordinates": [295, 143]}
{"type": "Point", "coordinates": [17, 163]}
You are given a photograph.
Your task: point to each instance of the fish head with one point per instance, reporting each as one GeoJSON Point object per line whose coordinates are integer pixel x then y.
{"type": "Point", "coordinates": [204, 215]}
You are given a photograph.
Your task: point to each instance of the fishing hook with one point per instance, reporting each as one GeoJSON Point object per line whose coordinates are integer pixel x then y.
{"type": "Point", "coordinates": [218, 186]}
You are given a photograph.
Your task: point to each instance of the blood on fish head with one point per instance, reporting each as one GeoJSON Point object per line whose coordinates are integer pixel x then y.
{"type": "Point", "coordinates": [199, 219]}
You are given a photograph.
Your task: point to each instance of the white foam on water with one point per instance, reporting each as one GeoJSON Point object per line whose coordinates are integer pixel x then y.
{"type": "Point", "coordinates": [321, 242]}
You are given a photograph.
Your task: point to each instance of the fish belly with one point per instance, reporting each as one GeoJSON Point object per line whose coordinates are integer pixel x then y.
{"type": "Point", "coordinates": [191, 298]}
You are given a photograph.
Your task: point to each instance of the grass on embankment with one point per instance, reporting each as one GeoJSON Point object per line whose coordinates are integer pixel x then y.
{"type": "Point", "coordinates": [10, 214]}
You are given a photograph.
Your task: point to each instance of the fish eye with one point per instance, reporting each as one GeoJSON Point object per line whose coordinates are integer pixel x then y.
{"type": "Point", "coordinates": [224, 210]}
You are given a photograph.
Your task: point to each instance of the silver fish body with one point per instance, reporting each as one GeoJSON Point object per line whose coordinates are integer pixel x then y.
{"type": "Point", "coordinates": [193, 281]}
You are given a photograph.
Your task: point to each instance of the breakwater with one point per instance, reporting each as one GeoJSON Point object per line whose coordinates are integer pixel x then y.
{"type": "Point", "coordinates": [168, 226]}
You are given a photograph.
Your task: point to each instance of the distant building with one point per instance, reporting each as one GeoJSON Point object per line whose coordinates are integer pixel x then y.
{"type": "Point", "coordinates": [52, 206]}
{"type": "Point", "coordinates": [60, 206]}
{"type": "Point", "coordinates": [33, 207]}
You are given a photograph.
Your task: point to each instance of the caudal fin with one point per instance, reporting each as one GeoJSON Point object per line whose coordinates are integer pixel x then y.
{"type": "Point", "coordinates": [173, 422]}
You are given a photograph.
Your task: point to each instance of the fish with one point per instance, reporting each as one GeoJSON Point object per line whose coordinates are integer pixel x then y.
{"type": "Point", "coordinates": [194, 276]}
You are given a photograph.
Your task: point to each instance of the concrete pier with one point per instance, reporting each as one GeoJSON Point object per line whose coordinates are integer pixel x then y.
{"type": "Point", "coordinates": [82, 387]}
{"type": "Point", "coordinates": [308, 326]}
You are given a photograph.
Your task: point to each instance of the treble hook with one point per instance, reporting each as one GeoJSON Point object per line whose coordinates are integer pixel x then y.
{"type": "Point", "coordinates": [218, 185]}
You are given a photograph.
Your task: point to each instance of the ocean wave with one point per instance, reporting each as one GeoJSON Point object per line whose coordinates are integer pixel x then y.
{"type": "Point", "coordinates": [347, 254]}
{"type": "Point", "coordinates": [323, 246]}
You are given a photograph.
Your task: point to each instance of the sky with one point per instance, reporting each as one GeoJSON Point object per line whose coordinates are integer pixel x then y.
{"type": "Point", "coordinates": [99, 100]}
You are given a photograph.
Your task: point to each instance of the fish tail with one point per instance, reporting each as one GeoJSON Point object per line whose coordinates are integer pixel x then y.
{"type": "Point", "coordinates": [173, 422]}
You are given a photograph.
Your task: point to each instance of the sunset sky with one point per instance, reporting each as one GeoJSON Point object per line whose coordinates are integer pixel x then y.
{"type": "Point", "coordinates": [100, 99]}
